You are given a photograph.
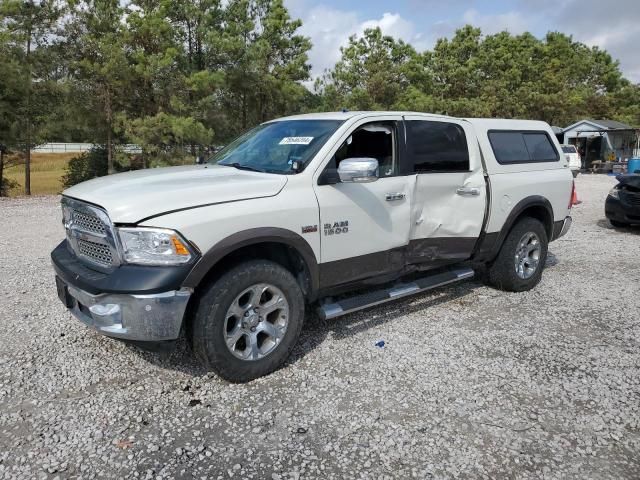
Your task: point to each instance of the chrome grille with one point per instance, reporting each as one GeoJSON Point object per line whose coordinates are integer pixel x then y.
{"type": "Point", "coordinates": [88, 222]}
{"type": "Point", "coordinates": [90, 234]}
{"type": "Point", "coordinates": [97, 252]}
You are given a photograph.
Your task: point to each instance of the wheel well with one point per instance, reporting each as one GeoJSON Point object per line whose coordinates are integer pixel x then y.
{"type": "Point", "coordinates": [533, 207]}
{"type": "Point", "coordinates": [539, 213]}
{"type": "Point", "coordinates": [280, 253]}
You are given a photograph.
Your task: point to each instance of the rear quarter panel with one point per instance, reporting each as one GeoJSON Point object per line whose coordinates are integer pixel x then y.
{"type": "Point", "coordinates": [511, 183]}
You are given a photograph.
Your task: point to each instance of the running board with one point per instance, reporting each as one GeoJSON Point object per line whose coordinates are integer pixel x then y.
{"type": "Point", "coordinates": [328, 311]}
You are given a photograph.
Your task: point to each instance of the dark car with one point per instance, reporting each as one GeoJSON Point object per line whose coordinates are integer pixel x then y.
{"type": "Point", "coordinates": [622, 207]}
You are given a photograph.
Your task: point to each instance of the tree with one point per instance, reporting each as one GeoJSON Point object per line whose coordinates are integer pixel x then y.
{"type": "Point", "coordinates": [27, 29]}
{"type": "Point", "coordinates": [263, 61]}
{"type": "Point", "coordinates": [99, 64]}
{"type": "Point", "coordinates": [87, 165]}
{"type": "Point", "coordinates": [626, 104]}
{"type": "Point", "coordinates": [373, 73]}
{"type": "Point", "coordinates": [165, 136]}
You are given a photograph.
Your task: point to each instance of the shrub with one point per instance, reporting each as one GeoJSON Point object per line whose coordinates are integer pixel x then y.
{"type": "Point", "coordinates": [6, 185]}
{"type": "Point", "coordinates": [87, 165]}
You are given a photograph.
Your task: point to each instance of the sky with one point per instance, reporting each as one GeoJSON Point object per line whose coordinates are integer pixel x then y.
{"type": "Point", "coordinates": [613, 25]}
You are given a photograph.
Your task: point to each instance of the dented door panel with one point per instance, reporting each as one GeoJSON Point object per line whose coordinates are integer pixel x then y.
{"type": "Point", "coordinates": [447, 210]}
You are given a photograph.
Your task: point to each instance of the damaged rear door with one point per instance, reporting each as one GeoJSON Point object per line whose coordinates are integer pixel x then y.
{"type": "Point", "coordinates": [450, 195]}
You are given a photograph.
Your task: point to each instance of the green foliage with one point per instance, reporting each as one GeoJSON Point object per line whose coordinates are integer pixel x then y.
{"type": "Point", "coordinates": [511, 76]}
{"type": "Point", "coordinates": [373, 73]}
{"type": "Point", "coordinates": [28, 88]}
{"type": "Point", "coordinates": [87, 165]}
{"type": "Point", "coordinates": [6, 185]}
{"type": "Point", "coordinates": [176, 75]}
{"type": "Point", "coordinates": [164, 137]}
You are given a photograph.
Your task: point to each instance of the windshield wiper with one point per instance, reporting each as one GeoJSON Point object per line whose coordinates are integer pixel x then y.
{"type": "Point", "coordinates": [239, 166]}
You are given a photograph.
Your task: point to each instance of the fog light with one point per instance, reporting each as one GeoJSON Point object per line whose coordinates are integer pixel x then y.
{"type": "Point", "coordinates": [105, 310]}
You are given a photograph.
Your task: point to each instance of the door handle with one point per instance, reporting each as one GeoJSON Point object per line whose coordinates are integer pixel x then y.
{"type": "Point", "coordinates": [390, 197]}
{"type": "Point", "coordinates": [468, 191]}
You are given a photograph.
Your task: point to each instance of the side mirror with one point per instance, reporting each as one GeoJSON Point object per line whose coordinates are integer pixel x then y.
{"type": "Point", "coordinates": [358, 170]}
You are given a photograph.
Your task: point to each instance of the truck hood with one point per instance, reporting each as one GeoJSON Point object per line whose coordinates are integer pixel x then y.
{"type": "Point", "coordinates": [133, 196]}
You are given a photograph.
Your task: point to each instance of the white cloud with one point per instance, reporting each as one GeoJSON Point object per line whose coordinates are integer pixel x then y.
{"type": "Point", "coordinates": [330, 29]}
{"type": "Point", "coordinates": [612, 28]}
{"type": "Point", "coordinates": [590, 21]}
{"type": "Point", "coordinates": [513, 22]}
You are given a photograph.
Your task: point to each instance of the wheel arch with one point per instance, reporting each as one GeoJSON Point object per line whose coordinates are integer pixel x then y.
{"type": "Point", "coordinates": [277, 244]}
{"type": "Point", "coordinates": [535, 206]}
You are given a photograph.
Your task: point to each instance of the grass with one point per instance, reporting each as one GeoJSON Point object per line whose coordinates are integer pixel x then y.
{"type": "Point", "coordinates": [47, 170]}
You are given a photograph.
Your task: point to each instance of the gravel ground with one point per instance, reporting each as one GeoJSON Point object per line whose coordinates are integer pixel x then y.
{"type": "Point", "coordinates": [472, 382]}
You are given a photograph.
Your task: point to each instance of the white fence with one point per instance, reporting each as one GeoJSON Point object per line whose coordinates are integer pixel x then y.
{"type": "Point", "coordinates": [80, 147]}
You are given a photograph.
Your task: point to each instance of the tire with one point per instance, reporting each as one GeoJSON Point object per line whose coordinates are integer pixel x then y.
{"type": "Point", "coordinates": [225, 313]}
{"type": "Point", "coordinates": [503, 273]}
{"type": "Point", "coordinates": [618, 224]}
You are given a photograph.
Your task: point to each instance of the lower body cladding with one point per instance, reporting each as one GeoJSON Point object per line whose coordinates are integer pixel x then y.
{"type": "Point", "coordinates": [154, 317]}
{"type": "Point", "coordinates": [561, 228]}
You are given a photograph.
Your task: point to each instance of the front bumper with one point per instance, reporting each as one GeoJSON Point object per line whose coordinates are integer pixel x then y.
{"type": "Point", "coordinates": [615, 209]}
{"type": "Point", "coordinates": [154, 317]}
{"type": "Point", "coordinates": [133, 302]}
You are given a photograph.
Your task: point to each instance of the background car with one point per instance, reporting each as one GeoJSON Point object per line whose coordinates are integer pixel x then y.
{"type": "Point", "coordinates": [573, 157]}
{"type": "Point", "coordinates": [622, 206]}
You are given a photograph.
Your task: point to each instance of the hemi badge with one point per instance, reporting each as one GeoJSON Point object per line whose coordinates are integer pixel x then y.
{"type": "Point", "coordinates": [310, 229]}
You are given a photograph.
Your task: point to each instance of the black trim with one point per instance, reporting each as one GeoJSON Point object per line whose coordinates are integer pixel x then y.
{"type": "Point", "coordinates": [380, 267]}
{"type": "Point", "coordinates": [487, 208]}
{"type": "Point", "coordinates": [485, 249]}
{"type": "Point", "coordinates": [440, 251]}
{"type": "Point", "coordinates": [129, 279]}
{"type": "Point", "coordinates": [255, 236]}
{"type": "Point", "coordinates": [492, 242]}
{"type": "Point", "coordinates": [557, 229]}
{"type": "Point", "coordinates": [523, 132]}
{"type": "Point", "coordinates": [372, 268]}
{"type": "Point", "coordinates": [404, 166]}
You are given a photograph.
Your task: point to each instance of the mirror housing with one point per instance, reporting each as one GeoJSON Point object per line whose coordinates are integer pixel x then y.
{"type": "Point", "coordinates": [358, 170]}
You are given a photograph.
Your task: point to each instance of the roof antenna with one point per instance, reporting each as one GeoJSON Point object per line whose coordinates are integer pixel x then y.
{"type": "Point", "coordinates": [344, 110]}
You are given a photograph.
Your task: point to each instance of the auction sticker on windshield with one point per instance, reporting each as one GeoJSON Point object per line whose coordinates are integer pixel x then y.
{"type": "Point", "coordinates": [296, 140]}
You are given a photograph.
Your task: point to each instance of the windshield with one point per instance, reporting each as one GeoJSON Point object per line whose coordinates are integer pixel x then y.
{"type": "Point", "coordinates": [568, 149]}
{"type": "Point", "coordinates": [277, 147]}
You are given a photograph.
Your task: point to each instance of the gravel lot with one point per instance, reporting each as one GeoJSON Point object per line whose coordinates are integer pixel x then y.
{"type": "Point", "coordinates": [472, 382]}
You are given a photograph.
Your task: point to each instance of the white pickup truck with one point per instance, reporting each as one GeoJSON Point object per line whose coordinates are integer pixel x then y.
{"type": "Point", "coordinates": [336, 210]}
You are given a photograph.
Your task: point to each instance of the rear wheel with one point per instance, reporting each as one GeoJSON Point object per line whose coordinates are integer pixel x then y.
{"type": "Point", "coordinates": [521, 260]}
{"type": "Point", "coordinates": [246, 323]}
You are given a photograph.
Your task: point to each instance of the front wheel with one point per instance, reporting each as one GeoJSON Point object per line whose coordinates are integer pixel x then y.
{"type": "Point", "coordinates": [246, 323]}
{"type": "Point", "coordinates": [521, 259]}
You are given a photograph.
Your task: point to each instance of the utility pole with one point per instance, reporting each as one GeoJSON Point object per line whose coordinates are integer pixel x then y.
{"type": "Point", "coordinates": [27, 163]}
{"type": "Point", "coordinates": [2, 149]}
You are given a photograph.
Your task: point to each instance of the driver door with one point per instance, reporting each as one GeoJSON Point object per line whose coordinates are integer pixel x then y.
{"type": "Point", "coordinates": [364, 227]}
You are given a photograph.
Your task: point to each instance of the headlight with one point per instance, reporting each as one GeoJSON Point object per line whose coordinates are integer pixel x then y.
{"type": "Point", "coordinates": [615, 193]}
{"type": "Point", "coordinates": [154, 246]}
